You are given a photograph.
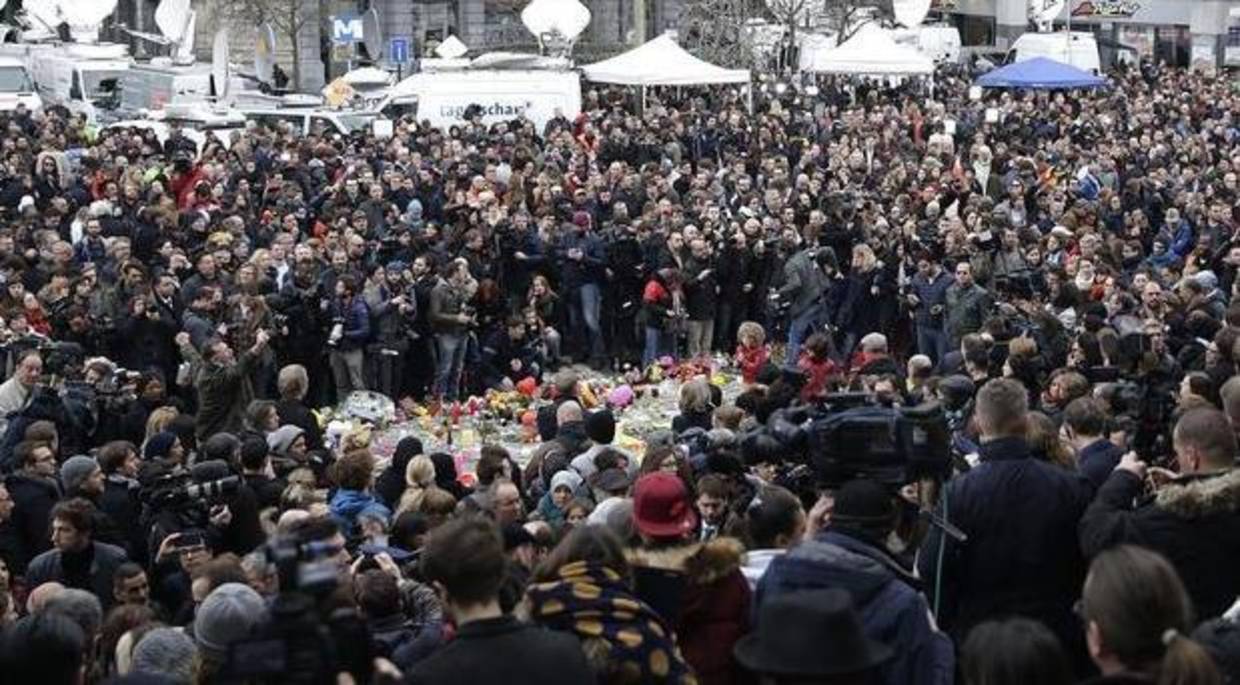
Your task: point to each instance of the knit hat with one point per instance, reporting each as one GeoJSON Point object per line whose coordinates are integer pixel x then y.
{"type": "Point", "coordinates": [229, 614]}
{"type": "Point", "coordinates": [159, 445]}
{"type": "Point", "coordinates": [76, 470]}
{"type": "Point", "coordinates": [601, 426]}
{"type": "Point", "coordinates": [582, 219]}
{"type": "Point", "coordinates": [167, 652]}
{"type": "Point", "coordinates": [282, 438]}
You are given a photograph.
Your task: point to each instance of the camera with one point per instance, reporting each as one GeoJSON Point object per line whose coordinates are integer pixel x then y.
{"type": "Point", "coordinates": [846, 437]}
{"type": "Point", "coordinates": [181, 490]}
{"type": "Point", "coordinates": [302, 641]}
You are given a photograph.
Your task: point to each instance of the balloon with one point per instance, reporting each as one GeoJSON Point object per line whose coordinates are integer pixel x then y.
{"type": "Point", "coordinates": [620, 396]}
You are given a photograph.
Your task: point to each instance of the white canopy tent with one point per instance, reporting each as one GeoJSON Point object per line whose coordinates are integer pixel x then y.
{"type": "Point", "coordinates": [870, 52]}
{"type": "Point", "coordinates": [661, 62]}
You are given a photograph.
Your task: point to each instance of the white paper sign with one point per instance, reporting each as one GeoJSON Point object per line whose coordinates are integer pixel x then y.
{"type": "Point", "coordinates": [992, 115]}
{"type": "Point", "coordinates": [382, 128]}
{"type": "Point", "coordinates": [949, 127]}
{"type": "Point", "coordinates": [975, 92]}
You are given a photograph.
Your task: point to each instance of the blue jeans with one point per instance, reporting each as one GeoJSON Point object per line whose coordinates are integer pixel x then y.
{"type": "Point", "coordinates": [656, 345]}
{"type": "Point", "coordinates": [591, 306]}
{"type": "Point", "coordinates": [933, 342]}
{"type": "Point", "coordinates": [451, 347]}
{"type": "Point", "coordinates": [802, 327]}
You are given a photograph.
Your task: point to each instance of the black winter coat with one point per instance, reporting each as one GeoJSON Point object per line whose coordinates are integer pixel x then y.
{"type": "Point", "coordinates": [503, 651]}
{"type": "Point", "coordinates": [1020, 515]}
{"type": "Point", "coordinates": [1194, 522]}
{"type": "Point", "coordinates": [33, 499]}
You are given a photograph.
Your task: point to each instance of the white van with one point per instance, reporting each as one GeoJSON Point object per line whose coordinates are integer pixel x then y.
{"type": "Point", "coordinates": [939, 42]}
{"type": "Point", "coordinates": [1077, 48]}
{"type": "Point", "coordinates": [16, 86]}
{"type": "Point", "coordinates": [308, 120]}
{"type": "Point", "coordinates": [84, 84]}
{"type": "Point", "coordinates": [503, 94]}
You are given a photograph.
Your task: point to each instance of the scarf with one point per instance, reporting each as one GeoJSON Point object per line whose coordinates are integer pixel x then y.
{"type": "Point", "coordinates": [592, 602]}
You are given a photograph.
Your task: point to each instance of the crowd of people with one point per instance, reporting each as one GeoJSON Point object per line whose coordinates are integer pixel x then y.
{"type": "Point", "coordinates": [1055, 270]}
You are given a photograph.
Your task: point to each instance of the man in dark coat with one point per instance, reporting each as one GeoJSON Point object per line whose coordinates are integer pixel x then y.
{"type": "Point", "coordinates": [1020, 515]}
{"type": "Point", "coordinates": [850, 554]}
{"type": "Point", "coordinates": [1084, 422]}
{"type": "Point", "coordinates": [465, 561]}
{"type": "Point", "coordinates": [78, 561]}
{"type": "Point", "coordinates": [1193, 519]}
{"type": "Point", "coordinates": [34, 490]}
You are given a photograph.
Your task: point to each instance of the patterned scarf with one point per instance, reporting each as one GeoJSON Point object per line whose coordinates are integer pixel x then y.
{"type": "Point", "coordinates": [619, 630]}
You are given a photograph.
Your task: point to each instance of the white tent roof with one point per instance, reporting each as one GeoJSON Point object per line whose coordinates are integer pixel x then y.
{"type": "Point", "coordinates": [661, 62]}
{"type": "Point", "coordinates": [871, 51]}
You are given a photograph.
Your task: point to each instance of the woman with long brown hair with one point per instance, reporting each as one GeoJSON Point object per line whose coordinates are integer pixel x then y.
{"type": "Point", "coordinates": [1137, 621]}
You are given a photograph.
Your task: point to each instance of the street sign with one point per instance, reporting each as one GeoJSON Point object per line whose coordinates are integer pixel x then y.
{"type": "Point", "coordinates": [347, 28]}
{"type": "Point", "coordinates": [398, 50]}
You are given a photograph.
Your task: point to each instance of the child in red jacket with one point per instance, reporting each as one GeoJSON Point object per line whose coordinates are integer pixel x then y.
{"type": "Point", "coordinates": [752, 352]}
{"type": "Point", "coordinates": [815, 362]}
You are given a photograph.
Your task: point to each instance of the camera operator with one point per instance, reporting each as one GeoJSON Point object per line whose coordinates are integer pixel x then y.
{"type": "Point", "coordinates": [16, 391]}
{"type": "Point", "coordinates": [850, 551]}
{"type": "Point", "coordinates": [223, 382]}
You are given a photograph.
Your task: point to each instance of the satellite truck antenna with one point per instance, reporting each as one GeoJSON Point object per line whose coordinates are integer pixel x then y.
{"type": "Point", "coordinates": [372, 35]}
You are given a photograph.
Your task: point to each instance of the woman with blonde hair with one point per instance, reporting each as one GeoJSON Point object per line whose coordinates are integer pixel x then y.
{"type": "Point", "coordinates": [158, 422]}
{"type": "Point", "coordinates": [696, 409]}
{"type": "Point", "coordinates": [866, 294]}
{"type": "Point", "coordinates": [544, 302]}
{"type": "Point", "coordinates": [419, 476]}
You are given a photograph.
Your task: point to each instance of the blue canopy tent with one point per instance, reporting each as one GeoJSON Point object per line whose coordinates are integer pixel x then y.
{"type": "Point", "coordinates": [1042, 74]}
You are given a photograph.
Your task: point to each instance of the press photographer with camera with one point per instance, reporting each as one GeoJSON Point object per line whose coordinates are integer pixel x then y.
{"type": "Point", "coordinates": [811, 292]}
{"type": "Point", "coordinates": [222, 381]}
{"type": "Point", "coordinates": [450, 318]}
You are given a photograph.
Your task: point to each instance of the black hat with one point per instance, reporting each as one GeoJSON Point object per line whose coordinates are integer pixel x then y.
{"type": "Point", "coordinates": [810, 633]}
{"type": "Point", "coordinates": [601, 426]}
{"type": "Point", "coordinates": [516, 535]}
{"type": "Point", "coordinates": [610, 480]}
{"type": "Point", "coordinates": [863, 502]}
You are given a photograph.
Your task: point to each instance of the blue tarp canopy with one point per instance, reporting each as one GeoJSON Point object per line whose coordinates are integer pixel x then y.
{"type": "Point", "coordinates": [1040, 73]}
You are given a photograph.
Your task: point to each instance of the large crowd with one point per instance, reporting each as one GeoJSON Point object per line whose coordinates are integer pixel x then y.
{"type": "Point", "coordinates": [1055, 270]}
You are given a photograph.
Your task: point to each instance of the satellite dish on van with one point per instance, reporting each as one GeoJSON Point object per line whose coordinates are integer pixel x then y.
{"type": "Point", "coordinates": [219, 64]}
{"type": "Point", "coordinates": [1043, 12]}
{"type": "Point", "coordinates": [910, 13]}
{"type": "Point", "coordinates": [451, 48]}
{"type": "Point", "coordinates": [265, 53]}
{"type": "Point", "coordinates": [172, 17]}
{"type": "Point", "coordinates": [84, 16]}
{"type": "Point", "coordinates": [372, 34]}
{"type": "Point", "coordinates": [565, 18]}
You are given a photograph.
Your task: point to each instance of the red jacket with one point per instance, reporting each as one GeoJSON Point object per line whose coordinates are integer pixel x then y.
{"type": "Point", "coordinates": [817, 373]}
{"type": "Point", "coordinates": [751, 360]}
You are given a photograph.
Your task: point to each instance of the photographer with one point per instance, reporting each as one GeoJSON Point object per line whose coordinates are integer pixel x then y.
{"type": "Point", "coordinates": [222, 381]}
{"type": "Point", "coordinates": [393, 308]}
{"type": "Point", "coordinates": [347, 340]}
{"type": "Point", "coordinates": [450, 319]}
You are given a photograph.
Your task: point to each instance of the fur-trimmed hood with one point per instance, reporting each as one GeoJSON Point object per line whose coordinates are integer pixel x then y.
{"type": "Point", "coordinates": [1200, 496]}
{"type": "Point", "coordinates": [702, 562]}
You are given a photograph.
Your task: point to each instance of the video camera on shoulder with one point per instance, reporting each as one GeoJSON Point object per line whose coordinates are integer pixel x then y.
{"type": "Point", "coordinates": [306, 639]}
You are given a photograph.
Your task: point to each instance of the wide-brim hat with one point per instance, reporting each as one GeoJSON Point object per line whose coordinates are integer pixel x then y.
{"type": "Point", "coordinates": [813, 633]}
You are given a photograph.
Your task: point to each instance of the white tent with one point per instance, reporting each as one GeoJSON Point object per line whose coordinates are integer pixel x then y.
{"type": "Point", "coordinates": [871, 51]}
{"type": "Point", "coordinates": [661, 62]}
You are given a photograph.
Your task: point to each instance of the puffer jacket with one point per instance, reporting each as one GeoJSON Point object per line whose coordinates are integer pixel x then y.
{"type": "Point", "coordinates": [893, 611]}
{"type": "Point", "coordinates": [1194, 522]}
{"type": "Point", "coordinates": [347, 505]}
